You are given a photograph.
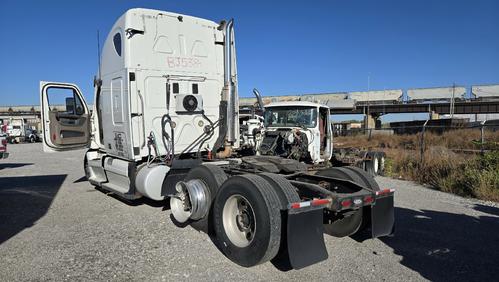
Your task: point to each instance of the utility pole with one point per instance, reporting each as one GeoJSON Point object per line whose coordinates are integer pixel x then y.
{"type": "Point", "coordinates": [368, 100]}
{"type": "Point", "coordinates": [452, 101]}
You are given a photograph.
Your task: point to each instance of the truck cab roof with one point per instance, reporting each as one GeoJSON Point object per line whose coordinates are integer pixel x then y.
{"type": "Point", "coordinates": [294, 103]}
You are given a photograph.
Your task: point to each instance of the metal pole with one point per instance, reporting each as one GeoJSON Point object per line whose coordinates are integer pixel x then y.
{"type": "Point", "coordinates": [368, 89]}
{"type": "Point", "coordinates": [452, 101]}
{"type": "Point", "coordinates": [422, 141]}
{"type": "Point", "coordinates": [482, 133]}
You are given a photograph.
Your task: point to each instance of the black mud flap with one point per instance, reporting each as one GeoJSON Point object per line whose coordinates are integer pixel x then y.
{"type": "Point", "coordinates": [305, 237]}
{"type": "Point", "coordinates": [383, 217]}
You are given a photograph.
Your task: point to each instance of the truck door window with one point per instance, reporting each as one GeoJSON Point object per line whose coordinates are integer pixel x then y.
{"type": "Point", "coordinates": [64, 101]}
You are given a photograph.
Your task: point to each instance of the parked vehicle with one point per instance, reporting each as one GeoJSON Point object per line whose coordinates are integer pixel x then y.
{"type": "Point", "coordinates": [251, 126]}
{"type": "Point", "coordinates": [31, 135]}
{"type": "Point", "coordinates": [302, 130]}
{"type": "Point", "coordinates": [165, 126]}
{"type": "Point", "coordinates": [3, 146]}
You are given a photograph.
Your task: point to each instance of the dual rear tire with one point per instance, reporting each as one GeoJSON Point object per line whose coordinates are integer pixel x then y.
{"type": "Point", "coordinates": [245, 218]}
{"type": "Point", "coordinates": [375, 165]}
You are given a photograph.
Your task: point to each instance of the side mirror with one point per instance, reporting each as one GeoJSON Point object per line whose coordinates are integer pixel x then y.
{"type": "Point", "coordinates": [70, 105]}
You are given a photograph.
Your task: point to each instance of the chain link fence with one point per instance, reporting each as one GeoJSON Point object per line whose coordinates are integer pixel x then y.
{"type": "Point", "coordinates": [458, 158]}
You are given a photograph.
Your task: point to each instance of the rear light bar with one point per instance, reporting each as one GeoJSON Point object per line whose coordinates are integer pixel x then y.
{"type": "Point", "coordinates": [313, 203]}
{"type": "Point", "coordinates": [344, 203]}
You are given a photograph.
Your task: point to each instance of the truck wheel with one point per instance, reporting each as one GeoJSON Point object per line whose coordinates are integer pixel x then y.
{"type": "Point", "coordinates": [369, 182]}
{"type": "Point", "coordinates": [372, 165]}
{"type": "Point", "coordinates": [381, 163]}
{"type": "Point", "coordinates": [247, 220]}
{"type": "Point", "coordinates": [369, 167]}
{"type": "Point", "coordinates": [375, 161]}
{"type": "Point", "coordinates": [287, 195]}
{"type": "Point", "coordinates": [285, 190]}
{"type": "Point", "coordinates": [213, 176]}
{"type": "Point", "coordinates": [363, 178]}
{"type": "Point", "coordinates": [351, 223]}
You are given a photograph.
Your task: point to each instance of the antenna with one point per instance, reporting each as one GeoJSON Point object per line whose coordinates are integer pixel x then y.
{"type": "Point", "coordinates": [98, 52]}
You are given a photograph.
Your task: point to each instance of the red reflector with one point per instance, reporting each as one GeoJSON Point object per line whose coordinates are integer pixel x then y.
{"type": "Point", "coordinates": [295, 205]}
{"type": "Point", "coordinates": [346, 203]}
{"type": "Point", "coordinates": [320, 202]}
{"type": "Point", "coordinates": [368, 199]}
{"type": "Point", "coordinates": [384, 192]}
{"type": "Point", "coordinates": [54, 136]}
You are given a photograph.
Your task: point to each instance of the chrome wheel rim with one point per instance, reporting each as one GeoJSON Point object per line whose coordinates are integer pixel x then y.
{"type": "Point", "coordinates": [239, 220]}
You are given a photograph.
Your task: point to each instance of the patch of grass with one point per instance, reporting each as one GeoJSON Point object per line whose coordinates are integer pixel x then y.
{"type": "Point", "coordinates": [466, 175]}
{"type": "Point", "coordinates": [442, 166]}
{"type": "Point", "coordinates": [459, 139]}
{"type": "Point", "coordinates": [481, 177]}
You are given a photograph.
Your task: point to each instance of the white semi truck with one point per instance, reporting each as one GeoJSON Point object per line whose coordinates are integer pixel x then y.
{"type": "Point", "coordinates": [165, 126]}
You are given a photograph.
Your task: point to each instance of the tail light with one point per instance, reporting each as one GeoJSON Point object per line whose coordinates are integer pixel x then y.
{"type": "Point", "coordinates": [346, 203]}
{"type": "Point", "coordinates": [368, 199]}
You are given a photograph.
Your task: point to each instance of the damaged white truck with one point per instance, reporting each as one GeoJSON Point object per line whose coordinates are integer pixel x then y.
{"type": "Point", "coordinates": [302, 130]}
{"type": "Point", "coordinates": [164, 125]}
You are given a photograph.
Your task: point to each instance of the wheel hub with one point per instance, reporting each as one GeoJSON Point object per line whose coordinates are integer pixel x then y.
{"type": "Point", "coordinates": [192, 200]}
{"type": "Point", "coordinates": [239, 220]}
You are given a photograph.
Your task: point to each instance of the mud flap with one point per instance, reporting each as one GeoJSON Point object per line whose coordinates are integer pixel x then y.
{"type": "Point", "coordinates": [383, 217]}
{"type": "Point", "coordinates": [305, 237]}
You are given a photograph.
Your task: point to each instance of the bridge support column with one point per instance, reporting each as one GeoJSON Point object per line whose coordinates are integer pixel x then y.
{"type": "Point", "coordinates": [434, 115]}
{"type": "Point", "coordinates": [372, 121]}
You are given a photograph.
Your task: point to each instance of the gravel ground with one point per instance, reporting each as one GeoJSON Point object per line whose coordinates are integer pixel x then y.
{"type": "Point", "coordinates": [56, 226]}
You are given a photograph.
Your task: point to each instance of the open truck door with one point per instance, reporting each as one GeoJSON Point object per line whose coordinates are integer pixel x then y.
{"type": "Point", "coordinates": [65, 117]}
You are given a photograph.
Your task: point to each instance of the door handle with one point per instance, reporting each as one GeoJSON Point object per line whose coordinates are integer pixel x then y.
{"type": "Point", "coordinates": [143, 122]}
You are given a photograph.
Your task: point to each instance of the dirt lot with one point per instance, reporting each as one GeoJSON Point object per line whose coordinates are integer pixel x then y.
{"type": "Point", "coordinates": [56, 226]}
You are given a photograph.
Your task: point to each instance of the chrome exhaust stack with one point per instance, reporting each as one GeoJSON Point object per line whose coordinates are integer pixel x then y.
{"type": "Point", "coordinates": [229, 90]}
{"type": "Point", "coordinates": [258, 98]}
